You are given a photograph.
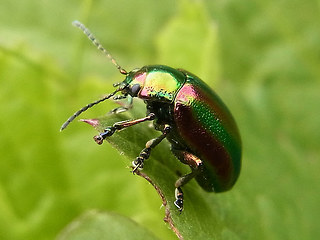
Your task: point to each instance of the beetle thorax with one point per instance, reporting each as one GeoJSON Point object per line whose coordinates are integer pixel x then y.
{"type": "Point", "coordinates": [156, 83]}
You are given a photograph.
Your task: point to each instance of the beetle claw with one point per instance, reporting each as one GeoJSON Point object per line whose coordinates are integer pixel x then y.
{"type": "Point", "coordinates": [179, 204]}
{"type": "Point", "coordinates": [179, 199]}
{"type": "Point", "coordinates": [109, 131]}
{"type": "Point", "coordinates": [98, 139]}
{"type": "Point", "coordinates": [137, 164]}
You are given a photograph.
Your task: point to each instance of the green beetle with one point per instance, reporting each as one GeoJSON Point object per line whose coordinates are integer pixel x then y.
{"type": "Point", "coordinates": [197, 124]}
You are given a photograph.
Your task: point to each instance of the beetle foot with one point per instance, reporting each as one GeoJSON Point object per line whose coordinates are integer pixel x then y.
{"type": "Point", "coordinates": [98, 139]}
{"type": "Point", "coordinates": [145, 153]}
{"type": "Point", "coordinates": [137, 164]}
{"type": "Point", "coordinates": [179, 199]}
{"type": "Point", "coordinates": [109, 131]}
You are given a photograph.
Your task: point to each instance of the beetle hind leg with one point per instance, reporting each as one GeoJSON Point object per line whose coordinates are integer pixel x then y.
{"type": "Point", "coordinates": [196, 165]}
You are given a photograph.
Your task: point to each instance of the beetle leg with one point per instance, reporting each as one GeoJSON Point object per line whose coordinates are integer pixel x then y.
{"type": "Point", "coordinates": [119, 110]}
{"type": "Point", "coordinates": [145, 153]}
{"type": "Point", "coordinates": [124, 106]}
{"type": "Point", "coordinates": [109, 131]}
{"type": "Point", "coordinates": [195, 163]}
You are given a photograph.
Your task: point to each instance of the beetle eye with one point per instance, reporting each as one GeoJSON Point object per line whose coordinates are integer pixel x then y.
{"type": "Point", "coordinates": [135, 89]}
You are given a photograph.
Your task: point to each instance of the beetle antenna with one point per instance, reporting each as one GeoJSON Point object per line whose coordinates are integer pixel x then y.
{"type": "Point", "coordinates": [85, 108]}
{"type": "Point", "coordinates": [96, 42]}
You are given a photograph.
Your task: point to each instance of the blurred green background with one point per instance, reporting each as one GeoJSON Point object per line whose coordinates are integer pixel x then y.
{"type": "Point", "coordinates": [262, 57]}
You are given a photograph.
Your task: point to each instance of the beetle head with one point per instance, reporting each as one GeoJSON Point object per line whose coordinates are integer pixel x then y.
{"type": "Point", "coordinates": [133, 82]}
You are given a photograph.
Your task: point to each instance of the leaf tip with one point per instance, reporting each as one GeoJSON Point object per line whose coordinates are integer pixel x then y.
{"type": "Point", "coordinates": [93, 122]}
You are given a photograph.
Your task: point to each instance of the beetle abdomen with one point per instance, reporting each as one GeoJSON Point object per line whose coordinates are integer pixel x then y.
{"type": "Point", "coordinates": [209, 130]}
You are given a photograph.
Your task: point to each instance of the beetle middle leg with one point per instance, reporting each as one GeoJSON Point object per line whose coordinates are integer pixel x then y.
{"type": "Point", "coordinates": [195, 163]}
{"type": "Point", "coordinates": [109, 131]}
{"type": "Point", "coordinates": [145, 153]}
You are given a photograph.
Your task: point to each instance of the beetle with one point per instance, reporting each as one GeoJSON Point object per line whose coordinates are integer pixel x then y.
{"type": "Point", "coordinates": [188, 113]}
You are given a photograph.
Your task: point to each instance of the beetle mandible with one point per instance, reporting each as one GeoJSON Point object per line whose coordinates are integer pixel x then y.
{"type": "Point", "coordinates": [199, 127]}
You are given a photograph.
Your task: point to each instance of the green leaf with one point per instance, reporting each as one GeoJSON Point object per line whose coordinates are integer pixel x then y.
{"type": "Point", "coordinates": [162, 169]}
{"type": "Point", "coordinates": [265, 63]}
{"type": "Point", "coordinates": [103, 225]}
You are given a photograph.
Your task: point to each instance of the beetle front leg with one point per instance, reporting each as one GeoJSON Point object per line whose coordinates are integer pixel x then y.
{"type": "Point", "coordinates": [195, 163]}
{"type": "Point", "coordinates": [145, 153]}
{"type": "Point", "coordinates": [124, 106]}
{"type": "Point", "coordinates": [109, 131]}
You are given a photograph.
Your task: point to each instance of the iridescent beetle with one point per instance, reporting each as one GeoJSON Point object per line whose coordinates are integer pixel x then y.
{"type": "Point", "coordinates": [197, 124]}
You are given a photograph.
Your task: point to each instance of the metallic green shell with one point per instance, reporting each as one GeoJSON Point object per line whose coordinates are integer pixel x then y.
{"type": "Point", "coordinates": [207, 127]}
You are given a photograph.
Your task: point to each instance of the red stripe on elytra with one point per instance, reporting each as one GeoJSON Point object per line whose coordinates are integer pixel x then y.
{"type": "Point", "coordinates": [191, 94]}
{"type": "Point", "coordinates": [205, 146]}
